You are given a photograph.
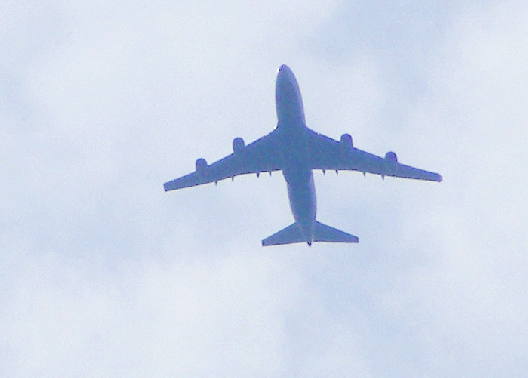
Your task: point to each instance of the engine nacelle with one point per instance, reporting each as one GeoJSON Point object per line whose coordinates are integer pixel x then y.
{"type": "Point", "coordinates": [201, 166]}
{"type": "Point", "coordinates": [238, 145]}
{"type": "Point", "coordinates": [391, 156]}
{"type": "Point", "coordinates": [346, 142]}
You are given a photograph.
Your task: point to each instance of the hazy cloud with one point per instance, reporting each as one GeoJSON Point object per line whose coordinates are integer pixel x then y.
{"type": "Point", "coordinates": [104, 274]}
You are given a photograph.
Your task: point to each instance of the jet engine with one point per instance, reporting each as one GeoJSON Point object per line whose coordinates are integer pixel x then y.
{"type": "Point", "coordinates": [238, 145]}
{"type": "Point", "coordinates": [201, 166]}
{"type": "Point", "coordinates": [346, 142]}
{"type": "Point", "coordinates": [391, 162]}
{"type": "Point", "coordinates": [391, 156]}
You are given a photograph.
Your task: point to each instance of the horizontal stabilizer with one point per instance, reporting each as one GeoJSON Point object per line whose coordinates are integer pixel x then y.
{"type": "Point", "coordinates": [291, 234]}
{"type": "Point", "coordinates": [324, 233]}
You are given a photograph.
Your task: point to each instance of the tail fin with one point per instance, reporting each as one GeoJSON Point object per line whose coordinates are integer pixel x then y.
{"type": "Point", "coordinates": [323, 233]}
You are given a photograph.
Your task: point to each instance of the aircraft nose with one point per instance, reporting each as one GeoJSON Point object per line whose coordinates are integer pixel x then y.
{"type": "Point", "coordinates": [283, 68]}
{"type": "Point", "coordinates": [284, 74]}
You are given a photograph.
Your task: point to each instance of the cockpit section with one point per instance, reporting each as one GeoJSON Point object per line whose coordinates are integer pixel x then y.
{"type": "Point", "coordinates": [288, 96]}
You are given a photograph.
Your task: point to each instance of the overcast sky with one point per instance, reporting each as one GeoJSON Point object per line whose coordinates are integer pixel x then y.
{"type": "Point", "coordinates": [104, 274]}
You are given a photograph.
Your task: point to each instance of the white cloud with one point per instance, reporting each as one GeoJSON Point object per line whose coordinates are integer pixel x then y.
{"type": "Point", "coordinates": [78, 317]}
{"type": "Point", "coordinates": [105, 274]}
{"type": "Point", "coordinates": [477, 292]}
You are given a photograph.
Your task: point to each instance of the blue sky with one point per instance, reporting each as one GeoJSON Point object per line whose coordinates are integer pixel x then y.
{"type": "Point", "coordinates": [104, 274]}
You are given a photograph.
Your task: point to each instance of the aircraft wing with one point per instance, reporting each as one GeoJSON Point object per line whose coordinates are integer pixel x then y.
{"type": "Point", "coordinates": [328, 154]}
{"type": "Point", "coordinates": [260, 156]}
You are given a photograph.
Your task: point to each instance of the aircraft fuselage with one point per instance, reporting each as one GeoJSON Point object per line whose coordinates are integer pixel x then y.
{"type": "Point", "coordinates": [298, 176]}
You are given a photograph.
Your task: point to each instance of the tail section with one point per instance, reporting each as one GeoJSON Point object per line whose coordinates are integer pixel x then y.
{"type": "Point", "coordinates": [291, 234]}
{"type": "Point", "coordinates": [323, 233]}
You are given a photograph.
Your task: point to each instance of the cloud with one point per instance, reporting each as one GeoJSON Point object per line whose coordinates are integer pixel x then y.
{"type": "Point", "coordinates": [103, 272]}
{"type": "Point", "coordinates": [76, 316]}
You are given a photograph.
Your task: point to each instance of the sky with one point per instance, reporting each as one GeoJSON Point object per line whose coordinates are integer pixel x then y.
{"type": "Point", "coordinates": [104, 274]}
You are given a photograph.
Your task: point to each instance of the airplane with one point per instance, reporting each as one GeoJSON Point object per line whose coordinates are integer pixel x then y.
{"type": "Point", "coordinates": [296, 150]}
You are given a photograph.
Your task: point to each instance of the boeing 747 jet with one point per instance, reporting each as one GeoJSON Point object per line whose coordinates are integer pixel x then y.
{"type": "Point", "coordinates": [296, 150]}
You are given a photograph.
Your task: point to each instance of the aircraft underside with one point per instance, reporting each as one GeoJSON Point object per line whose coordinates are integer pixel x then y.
{"type": "Point", "coordinates": [297, 150]}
